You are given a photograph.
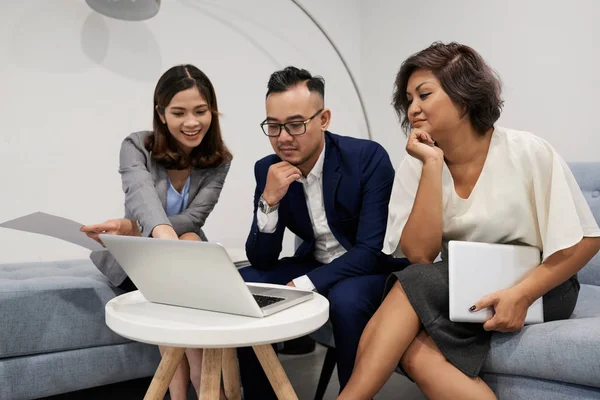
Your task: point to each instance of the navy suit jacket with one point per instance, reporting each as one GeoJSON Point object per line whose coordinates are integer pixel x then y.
{"type": "Point", "coordinates": [357, 184]}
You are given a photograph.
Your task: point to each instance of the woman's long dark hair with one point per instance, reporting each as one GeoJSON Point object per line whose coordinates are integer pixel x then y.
{"type": "Point", "coordinates": [212, 151]}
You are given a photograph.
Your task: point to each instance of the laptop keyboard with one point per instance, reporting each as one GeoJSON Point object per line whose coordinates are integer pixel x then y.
{"type": "Point", "coordinates": [264, 301]}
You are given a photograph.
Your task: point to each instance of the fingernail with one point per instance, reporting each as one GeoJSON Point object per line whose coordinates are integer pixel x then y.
{"type": "Point", "coordinates": [472, 308]}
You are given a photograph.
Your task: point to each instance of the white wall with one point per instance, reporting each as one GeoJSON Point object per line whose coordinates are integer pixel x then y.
{"type": "Point", "coordinates": [546, 52]}
{"type": "Point", "coordinates": [341, 20]}
{"type": "Point", "coordinates": [74, 84]}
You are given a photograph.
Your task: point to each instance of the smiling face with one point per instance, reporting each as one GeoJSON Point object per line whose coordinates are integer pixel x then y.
{"type": "Point", "coordinates": [188, 118]}
{"type": "Point", "coordinates": [430, 108]}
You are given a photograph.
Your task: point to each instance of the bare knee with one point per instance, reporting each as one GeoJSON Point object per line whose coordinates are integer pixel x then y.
{"type": "Point", "coordinates": [194, 357]}
{"type": "Point", "coordinates": [420, 358]}
{"type": "Point", "coordinates": [386, 314]}
{"type": "Point", "coordinates": [196, 376]}
{"type": "Point", "coordinates": [410, 363]}
{"type": "Point", "coordinates": [190, 236]}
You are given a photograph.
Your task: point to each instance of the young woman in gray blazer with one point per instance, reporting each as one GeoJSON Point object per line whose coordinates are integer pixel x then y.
{"type": "Point", "coordinates": [172, 178]}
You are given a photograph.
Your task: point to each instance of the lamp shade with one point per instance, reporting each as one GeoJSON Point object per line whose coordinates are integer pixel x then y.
{"type": "Point", "coordinates": [128, 10]}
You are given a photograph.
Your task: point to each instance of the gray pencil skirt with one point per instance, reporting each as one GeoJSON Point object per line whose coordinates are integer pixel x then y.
{"type": "Point", "coordinates": [465, 345]}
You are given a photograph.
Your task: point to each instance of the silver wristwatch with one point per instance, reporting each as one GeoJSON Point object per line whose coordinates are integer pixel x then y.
{"type": "Point", "coordinates": [265, 208]}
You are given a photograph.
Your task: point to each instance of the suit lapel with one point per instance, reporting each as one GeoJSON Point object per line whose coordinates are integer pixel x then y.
{"type": "Point", "coordinates": [196, 178]}
{"type": "Point", "coordinates": [331, 178]}
{"type": "Point", "coordinates": [297, 203]}
{"type": "Point", "coordinates": [162, 184]}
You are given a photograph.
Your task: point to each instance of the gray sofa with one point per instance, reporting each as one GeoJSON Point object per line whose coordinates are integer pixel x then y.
{"type": "Point", "coordinates": [53, 338]}
{"type": "Point", "coordinates": [552, 361]}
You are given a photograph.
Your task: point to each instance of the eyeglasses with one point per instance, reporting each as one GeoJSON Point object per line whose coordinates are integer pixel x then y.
{"type": "Point", "coordinates": [294, 128]}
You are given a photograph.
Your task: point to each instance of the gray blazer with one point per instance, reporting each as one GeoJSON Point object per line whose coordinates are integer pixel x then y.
{"type": "Point", "coordinates": [145, 184]}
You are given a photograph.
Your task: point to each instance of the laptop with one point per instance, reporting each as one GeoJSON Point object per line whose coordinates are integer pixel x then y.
{"type": "Point", "coordinates": [196, 275]}
{"type": "Point", "coordinates": [478, 269]}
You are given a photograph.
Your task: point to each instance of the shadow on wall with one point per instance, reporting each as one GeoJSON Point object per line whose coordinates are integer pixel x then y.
{"type": "Point", "coordinates": [127, 49]}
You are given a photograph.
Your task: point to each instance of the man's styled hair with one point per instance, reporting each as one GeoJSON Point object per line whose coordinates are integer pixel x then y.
{"type": "Point", "coordinates": [289, 77]}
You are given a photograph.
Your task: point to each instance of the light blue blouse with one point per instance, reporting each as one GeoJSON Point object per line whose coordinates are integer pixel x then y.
{"type": "Point", "coordinates": [177, 202]}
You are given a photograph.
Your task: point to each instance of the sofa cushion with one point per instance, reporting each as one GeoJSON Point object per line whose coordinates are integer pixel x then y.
{"type": "Point", "coordinates": [564, 351]}
{"type": "Point", "coordinates": [41, 375]}
{"type": "Point", "coordinates": [587, 175]}
{"type": "Point", "coordinates": [53, 306]}
{"type": "Point", "coordinates": [590, 274]}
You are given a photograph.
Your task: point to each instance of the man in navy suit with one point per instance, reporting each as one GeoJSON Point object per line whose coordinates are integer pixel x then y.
{"type": "Point", "coordinates": [332, 192]}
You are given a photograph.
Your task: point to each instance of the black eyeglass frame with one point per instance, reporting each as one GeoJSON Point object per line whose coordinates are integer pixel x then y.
{"type": "Point", "coordinates": [264, 125]}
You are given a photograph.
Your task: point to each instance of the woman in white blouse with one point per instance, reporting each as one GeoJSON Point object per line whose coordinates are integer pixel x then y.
{"type": "Point", "coordinates": [466, 179]}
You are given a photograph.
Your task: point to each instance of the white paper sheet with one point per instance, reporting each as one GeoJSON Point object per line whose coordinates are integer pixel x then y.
{"type": "Point", "coordinates": [54, 226]}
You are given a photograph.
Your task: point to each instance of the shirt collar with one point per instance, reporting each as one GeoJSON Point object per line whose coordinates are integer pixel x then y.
{"type": "Point", "coordinates": [317, 171]}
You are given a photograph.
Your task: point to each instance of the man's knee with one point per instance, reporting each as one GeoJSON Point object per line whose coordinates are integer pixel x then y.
{"type": "Point", "coordinates": [342, 297]}
{"type": "Point", "coordinates": [356, 296]}
{"type": "Point", "coordinates": [251, 274]}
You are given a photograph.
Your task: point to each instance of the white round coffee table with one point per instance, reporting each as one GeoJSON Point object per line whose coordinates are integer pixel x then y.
{"type": "Point", "coordinates": [132, 316]}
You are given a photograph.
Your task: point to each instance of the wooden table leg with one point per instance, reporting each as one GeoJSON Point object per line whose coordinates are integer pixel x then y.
{"type": "Point", "coordinates": [166, 369]}
{"type": "Point", "coordinates": [210, 383]}
{"type": "Point", "coordinates": [231, 375]}
{"type": "Point", "coordinates": [279, 380]}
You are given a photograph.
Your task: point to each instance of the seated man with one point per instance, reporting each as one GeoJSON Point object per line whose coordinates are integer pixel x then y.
{"type": "Point", "coordinates": [331, 191]}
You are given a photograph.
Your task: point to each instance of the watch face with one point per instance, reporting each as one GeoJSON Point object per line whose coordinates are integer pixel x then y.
{"type": "Point", "coordinates": [261, 205]}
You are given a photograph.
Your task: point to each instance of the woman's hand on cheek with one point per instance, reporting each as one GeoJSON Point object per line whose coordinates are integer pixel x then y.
{"type": "Point", "coordinates": [421, 146]}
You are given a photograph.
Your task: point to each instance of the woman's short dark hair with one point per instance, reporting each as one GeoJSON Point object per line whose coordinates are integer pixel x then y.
{"type": "Point", "coordinates": [212, 151]}
{"type": "Point", "coordinates": [464, 76]}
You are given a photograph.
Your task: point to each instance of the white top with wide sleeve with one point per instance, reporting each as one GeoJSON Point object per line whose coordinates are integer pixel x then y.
{"type": "Point", "coordinates": [525, 194]}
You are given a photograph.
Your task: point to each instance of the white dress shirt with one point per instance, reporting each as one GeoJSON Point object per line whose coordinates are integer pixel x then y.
{"type": "Point", "coordinates": [327, 248]}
